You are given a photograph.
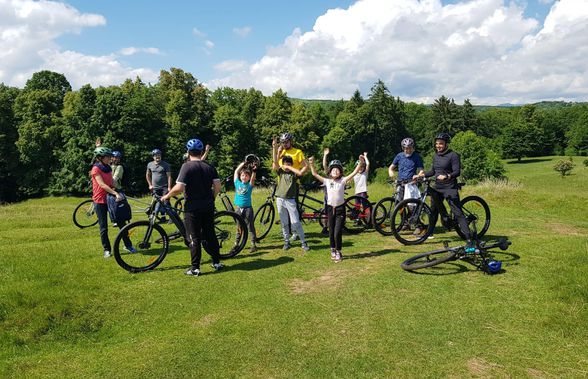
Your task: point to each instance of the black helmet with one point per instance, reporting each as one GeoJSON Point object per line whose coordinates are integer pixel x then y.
{"type": "Point", "coordinates": [444, 136]}
{"type": "Point", "coordinates": [286, 137]}
{"type": "Point", "coordinates": [335, 163]}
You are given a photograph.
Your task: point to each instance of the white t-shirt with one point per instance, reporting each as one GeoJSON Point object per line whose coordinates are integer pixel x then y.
{"type": "Point", "coordinates": [360, 182]}
{"type": "Point", "coordinates": [335, 192]}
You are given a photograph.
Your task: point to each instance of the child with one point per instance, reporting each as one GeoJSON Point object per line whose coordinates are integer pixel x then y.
{"type": "Point", "coordinates": [286, 196]}
{"type": "Point", "coordinates": [335, 209]}
{"type": "Point", "coordinates": [361, 178]}
{"type": "Point", "coordinates": [244, 179]}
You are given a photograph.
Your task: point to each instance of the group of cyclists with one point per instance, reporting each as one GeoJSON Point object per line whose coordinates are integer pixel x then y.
{"type": "Point", "coordinates": [199, 183]}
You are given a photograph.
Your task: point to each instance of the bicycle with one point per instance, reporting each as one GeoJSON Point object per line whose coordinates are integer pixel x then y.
{"type": "Point", "coordinates": [381, 218]}
{"type": "Point", "coordinates": [151, 240]}
{"type": "Point", "coordinates": [84, 215]}
{"type": "Point", "coordinates": [478, 256]}
{"type": "Point", "coordinates": [266, 214]}
{"type": "Point", "coordinates": [225, 199]}
{"type": "Point", "coordinates": [413, 221]}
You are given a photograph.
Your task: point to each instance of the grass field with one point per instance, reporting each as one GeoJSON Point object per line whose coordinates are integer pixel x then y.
{"type": "Point", "coordinates": [65, 311]}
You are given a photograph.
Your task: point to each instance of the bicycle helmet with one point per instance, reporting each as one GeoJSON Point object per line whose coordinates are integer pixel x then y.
{"type": "Point", "coordinates": [286, 137]}
{"type": "Point", "coordinates": [407, 142]}
{"type": "Point", "coordinates": [117, 154]}
{"type": "Point", "coordinates": [494, 267]}
{"type": "Point", "coordinates": [335, 163]}
{"type": "Point", "coordinates": [155, 152]}
{"type": "Point", "coordinates": [102, 151]}
{"type": "Point", "coordinates": [444, 136]}
{"type": "Point", "coordinates": [194, 145]}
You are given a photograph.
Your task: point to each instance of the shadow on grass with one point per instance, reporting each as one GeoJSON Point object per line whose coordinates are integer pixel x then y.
{"type": "Point", "coordinates": [258, 264]}
{"type": "Point", "coordinates": [531, 160]}
{"type": "Point", "coordinates": [371, 254]}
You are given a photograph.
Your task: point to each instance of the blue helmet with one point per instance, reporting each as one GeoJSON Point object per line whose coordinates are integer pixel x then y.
{"type": "Point", "coordinates": [117, 154]}
{"type": "Point", "coordinates": [155, 152]}
{"type": "Point", "coordinates": [194, 145]}
{"type": "Point", "coordinates": [494, 267]}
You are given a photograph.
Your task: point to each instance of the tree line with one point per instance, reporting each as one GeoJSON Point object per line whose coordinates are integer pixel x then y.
{"type": "Point", "coordinates": [47, 130]}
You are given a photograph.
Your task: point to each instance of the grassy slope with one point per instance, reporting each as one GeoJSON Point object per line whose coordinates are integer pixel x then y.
{"type": "Point", "coordinates": [65, 311]}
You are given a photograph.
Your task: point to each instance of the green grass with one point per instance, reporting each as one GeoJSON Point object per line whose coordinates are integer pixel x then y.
{"type": "Point", "coordinates": [67, 312]}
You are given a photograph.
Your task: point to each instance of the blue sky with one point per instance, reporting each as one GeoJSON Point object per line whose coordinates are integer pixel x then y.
{"type": "Point", "coordinates": [490, 51]}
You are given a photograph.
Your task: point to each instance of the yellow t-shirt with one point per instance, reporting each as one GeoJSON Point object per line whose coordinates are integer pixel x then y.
{"type": "Point", "coordinates": [297, 157]}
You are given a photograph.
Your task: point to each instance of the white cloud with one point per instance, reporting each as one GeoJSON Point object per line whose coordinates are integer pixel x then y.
{"type": "Point", "coordinates": [485, 50]}
{"type": "Point", "coordinates": [231, 65]}
{"type": "Point", "coordinates": [198, 33]}
{"type": "Point", "coordinates": [28, 30]}
{"type": "Point", "coordinates": [242, 32]}
{"type": "Point", "coordinates": [137, 50]}
{"type": "Point", "coordinates": [209, 44]}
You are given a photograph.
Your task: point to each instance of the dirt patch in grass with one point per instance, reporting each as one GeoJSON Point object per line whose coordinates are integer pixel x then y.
{"type": "Point", "coordinates": [480, 368]}
{"type": "Point", "coordinates": [205, 321]}
{"type": "Point", "coordinates": [326, 281]}
{"type": "Point", "coordinates": [565, 229]}
{"type": "Point", "coordinates": [534, 373]}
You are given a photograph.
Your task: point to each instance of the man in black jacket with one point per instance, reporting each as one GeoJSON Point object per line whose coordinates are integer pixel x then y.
{"type": "Point", "coordinates": [446, 169]}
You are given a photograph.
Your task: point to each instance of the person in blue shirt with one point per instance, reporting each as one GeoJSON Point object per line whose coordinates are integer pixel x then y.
{"type": "Point", "coordinates": [409, 163]}
{"type": "Point", "coordinates": [244, 179]}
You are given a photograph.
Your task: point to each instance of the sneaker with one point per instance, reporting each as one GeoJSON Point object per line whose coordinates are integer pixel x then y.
{"type": "Point", "coordinates": [305, 246]}
{"type": "Point", "coordinates": [325, 230]}
{"type": "Point", "coordinates": [471, 248]}
{"type": "Point", "coordinates": [294, 237]}
{"type": "Point", "coordinates": [418, 231]}
{"type": "Point", "coordinates": [114, 225]}
{"type": "Point", "coordinates": [193, 272]}
{"type": "Point", "coordinates": [333, 254]}
{"type": "Point", "coordinates": [131, 249]}
{"type": "Point", "coordinates": [286, 246]}
{"type": "Point", "coordinates": [217, 266]}
{"type": "Point", "coordinates": [338, 256]}
{"type": "Point", "coordinates": [253, 249]}
{"type": "Point", "coordinates": [107, 254]}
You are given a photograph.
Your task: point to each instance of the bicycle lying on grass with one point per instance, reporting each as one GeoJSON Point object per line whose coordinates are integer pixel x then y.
{"type": "Point", "coordinates": [413, 221]}
{"type": "Point", "coordinates": [151, 240]}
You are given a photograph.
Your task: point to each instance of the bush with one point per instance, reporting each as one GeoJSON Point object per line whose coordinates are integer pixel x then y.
{"type": "Point", "coordinates": [380, 175]}
{"type": "Point", "coordinates": [478, 162]}
{"type": "Point", "coordinates": [564, 167]}
{"type": "Point", "coordinates": [586, 162]}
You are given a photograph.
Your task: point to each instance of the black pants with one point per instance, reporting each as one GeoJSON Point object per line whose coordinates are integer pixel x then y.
{"type": "Point", "coordinates": [102, 213]}
{"type": "Point", "coordinates": [199, 229]}
{"type": "Point", "coordinates": [335, 220]}
{"type": "Point", "coordinates": [452, 197]}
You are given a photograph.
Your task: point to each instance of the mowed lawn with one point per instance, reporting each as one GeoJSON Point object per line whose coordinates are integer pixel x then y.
{"type": "Point", "coordinates": [65, 311]}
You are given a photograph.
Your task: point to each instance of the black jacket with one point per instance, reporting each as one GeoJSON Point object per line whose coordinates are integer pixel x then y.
{"type": "Point", "coordinates": [445, 163]}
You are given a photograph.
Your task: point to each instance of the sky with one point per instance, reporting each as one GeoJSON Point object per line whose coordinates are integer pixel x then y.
{"type": "Point", "coordinates": [489, 51]}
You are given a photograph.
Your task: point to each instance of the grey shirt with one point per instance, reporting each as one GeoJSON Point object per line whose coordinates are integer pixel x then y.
{"type": "Point", "coordinates": [159, 173]}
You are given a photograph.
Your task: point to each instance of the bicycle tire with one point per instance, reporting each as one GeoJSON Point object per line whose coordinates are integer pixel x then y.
{"type": "Point", "coordinates": [408, 227]}
{"type": "Point", "coordinates": [381, 216]}
{"type": "Point", "coordinates": [231, 233]}
{"type": "Point", "coordinates": [429, 259]}
{"type": "Point", "coordinates": [475, 209]}
{"type": "Point", "coordinates": [84, 215]}
{"type": "Point", "coordinates": [151, 242]}
{"type": "Point", "coordinates": [179, 204]}
{"type": "Point", "coordinates": [322, 218]}
{"type": "Point", "coordinates": [264, 220]}
{"type": "Point", "coordinates": [358, 214]}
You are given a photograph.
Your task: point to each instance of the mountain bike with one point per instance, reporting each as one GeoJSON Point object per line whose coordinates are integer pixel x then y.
{"type": "Point", "coordinates": [266, 214]}
{"type": "Point", "coordinates": [479, 256]}
{"type": "Point", "coordinates": [84, 214]}
{"type": "Point", "coordinates": [413, 221]}
{"type": "Point", "coordinates": [382, 212]}
{"type": "Point", "coordinates": [151, 240]}
{"type": "Point", "coordinates": [225, 199]}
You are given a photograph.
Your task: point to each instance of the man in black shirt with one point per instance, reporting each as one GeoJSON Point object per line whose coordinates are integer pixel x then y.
{"type": "Point", "coordinates": [200, 184]}
{"type": "Point", "coordinates": [446, 169]}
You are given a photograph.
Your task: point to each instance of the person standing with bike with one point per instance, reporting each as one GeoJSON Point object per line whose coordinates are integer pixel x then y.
{"type": "Point", "coordinates": [409, 164]}
{"type": "Point", "coordinates": [102, 185]}
{"type": "Point", "coordinates": [446, 169]}
{"type": "Point", "coordinates": [158, 176]}
{"type": "Point", "coordinates": [200, 184]}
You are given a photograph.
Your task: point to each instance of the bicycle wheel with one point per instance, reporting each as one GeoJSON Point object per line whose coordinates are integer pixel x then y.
{"type": "Point", "coordinates": [381, 216]}
{"type": "Point", "coordinates": [179, 204]}
{"type": "Point", "coordinates": [322, 218]}
{"type": "Point", "coordinates": [412, 222]}
{"type": "Point", "coordinates": [429, 259]}
{"type": "Point", "coordinates": [263, 220]}
{"type": "Point", "coordinates": [358, 214]}
{"type": "Point", "coordinates": [150, 241]}
{"type": "Point", "coordinates": [475, 210]}
{"type": "Point", "coordinates": [84, 215]}
{"type": "Point", "coordinates": [231, 233]}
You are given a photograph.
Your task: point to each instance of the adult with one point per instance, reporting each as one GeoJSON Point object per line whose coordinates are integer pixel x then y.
{"type": "Point", "coordinates": [102, 185]}
{"type": "Point", "coordinates": [158, 175]}
{"type": "Point", "coordinates": [199, 182]}
{"type": "Point", "coordinates": [446, 169]}
{"type": "Point", "coordinates": [408, 162]}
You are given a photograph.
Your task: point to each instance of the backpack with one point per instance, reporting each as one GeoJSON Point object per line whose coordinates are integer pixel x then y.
{"type": "Point", "coordinates": [120, 212]}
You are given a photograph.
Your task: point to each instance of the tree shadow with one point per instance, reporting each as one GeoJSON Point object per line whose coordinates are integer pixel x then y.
{"type": "Point", "coordinates": [258, 264]}
{"type": "Point", "coordinates": [529, 160]}
{"type": "Point", "coordinates": [370, 254]}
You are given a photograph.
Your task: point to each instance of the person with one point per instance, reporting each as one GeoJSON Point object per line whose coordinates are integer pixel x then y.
{"type": "Point", "coordinates": [117, 170]}
{"type": "Point", "coordinates": [199, 182]}
{"type": "Point", "coordinates": [360, 180]}
{"type": "Point", "coordinates": [158, 176]}
{"type": "Point", "coordinates": [335, 186]}
{"type": "Point", "coordinates": [446, 169]}
{"type": "Point", "coordinates": [102, 185]}
{"type": "Point", "coordinates": [409, 164]}
{"type": "Point", "coordinates": [286, 196]}
{"type": "Point", "coordinates": [244, 179]}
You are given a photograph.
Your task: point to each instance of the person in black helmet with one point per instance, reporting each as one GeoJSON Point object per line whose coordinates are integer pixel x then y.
{"type": "Point", "coordinates": [446, 169]}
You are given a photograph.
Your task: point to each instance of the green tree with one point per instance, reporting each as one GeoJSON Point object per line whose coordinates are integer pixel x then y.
{"type": "Point", "coordinates": [446, 117]}
{"type": "Point", "coordinates": [524, 138]}
{"type": "Point", "coordinates": [9, 161]}
{"type": "Point", "coordinates": [272, 119]}
{"type": "Point", "coordinates": [229, 124]}
{"type": "Point", "coordinates": [477, 160]}
{"type": "Point", "coordinates": [577, 135]}
{"type": "Point", "coordinates": [49, 80]}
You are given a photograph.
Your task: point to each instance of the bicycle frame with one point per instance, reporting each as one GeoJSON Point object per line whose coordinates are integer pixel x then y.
{"type": "Point", "coordinates": [302, 204]}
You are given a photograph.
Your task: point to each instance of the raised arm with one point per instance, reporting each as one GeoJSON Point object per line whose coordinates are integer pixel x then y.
{"type": "Point", "coordinates": [275, 164]}
{"type": "Point", "coordinates": [350, 176]}
{"type": "Point", "coordinates": [253, 175]}
{"type": "Point", "coordinates": [367, 162]}
{"type": "Point", "coordinates": [236, 173]}
{"type": "Point", "coordinates": [206, 150]}
{"type": "Point", "coordinates": [313, 170]}
{"type": "Point", "coordinates": [326, 152]}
